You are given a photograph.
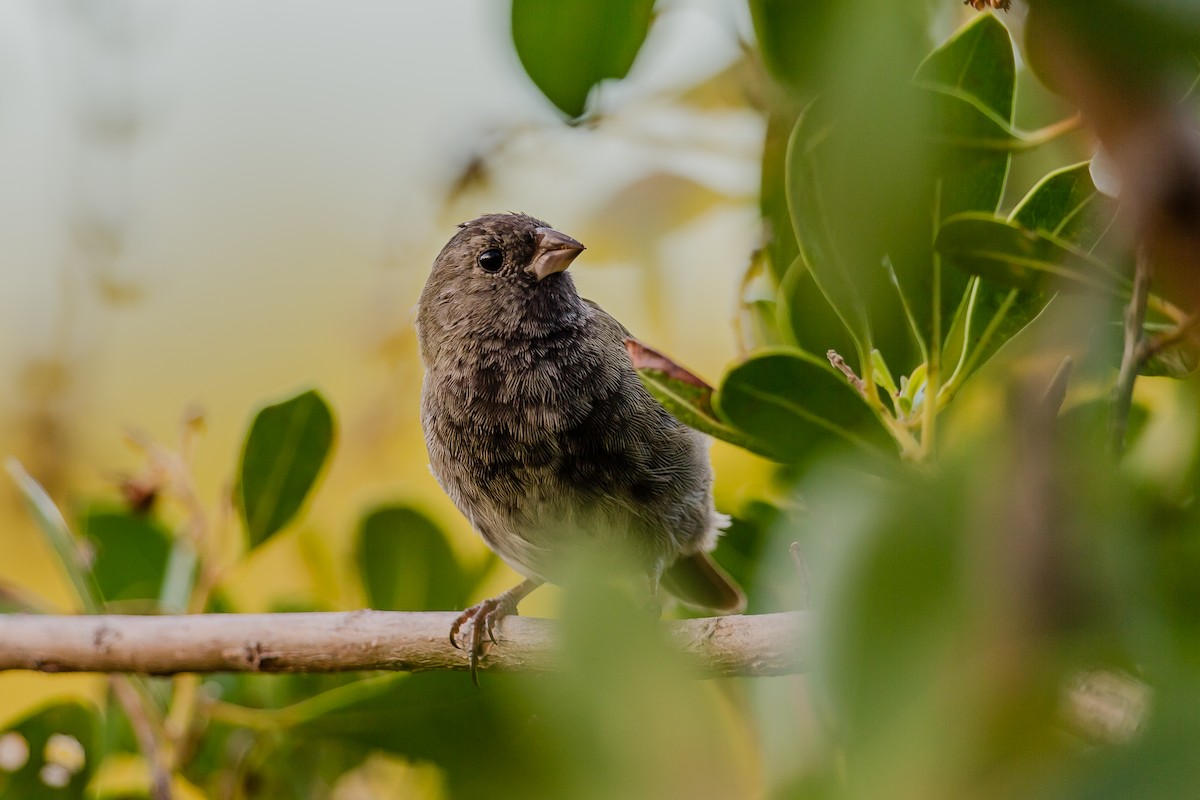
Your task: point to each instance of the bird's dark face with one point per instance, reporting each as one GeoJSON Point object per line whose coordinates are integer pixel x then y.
{"type": "Point", "coordinates": [500, 276]}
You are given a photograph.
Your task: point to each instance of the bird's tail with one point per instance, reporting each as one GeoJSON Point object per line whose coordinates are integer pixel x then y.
{"type": "Point", "coordinates": [699, 581]}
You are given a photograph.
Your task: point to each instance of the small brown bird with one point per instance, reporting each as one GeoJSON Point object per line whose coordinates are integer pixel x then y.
{"type": "Point", "coordinates": [543, 435]}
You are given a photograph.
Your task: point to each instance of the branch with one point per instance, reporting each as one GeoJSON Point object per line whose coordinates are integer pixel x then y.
{"type": "Point", "coordinates": [1101, 706]}
{"type": "Point", "coordinates": [759, 645]}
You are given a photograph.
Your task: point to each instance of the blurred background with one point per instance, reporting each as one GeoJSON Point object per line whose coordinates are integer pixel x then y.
{"type": "Point", "coordinates": [211, 205]}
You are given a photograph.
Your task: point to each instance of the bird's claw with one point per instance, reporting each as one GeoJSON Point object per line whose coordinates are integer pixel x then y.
{"type": "Point", "coordinates": [483, 618]}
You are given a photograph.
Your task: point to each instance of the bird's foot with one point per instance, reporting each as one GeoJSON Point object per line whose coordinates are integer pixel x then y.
{"type": "Point", "coordinates": [481, 620]}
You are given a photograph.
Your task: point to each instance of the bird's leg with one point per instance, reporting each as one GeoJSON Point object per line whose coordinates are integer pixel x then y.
{"type": "Point", "coordinates": [484, 617]}
{"type": "Point", "coordinates": [653, 605]}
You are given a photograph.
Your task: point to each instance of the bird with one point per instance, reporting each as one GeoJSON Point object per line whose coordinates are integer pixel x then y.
{"type": "Point", "coordinates": [544, 437]}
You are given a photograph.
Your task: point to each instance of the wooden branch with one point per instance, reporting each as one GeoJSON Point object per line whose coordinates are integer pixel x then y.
{"type": "Point", "coordinates": [759, 645]}
{"type": "Point", "coordinates": [1101, 706]}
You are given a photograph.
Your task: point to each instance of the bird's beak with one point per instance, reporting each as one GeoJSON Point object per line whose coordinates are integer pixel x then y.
{"type": "Point", "coordinates": [555, 252]}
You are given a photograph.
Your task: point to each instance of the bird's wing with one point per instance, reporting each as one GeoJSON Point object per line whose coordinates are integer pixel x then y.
{"type": "Point", "coordinates": [608, 320]}
{"type": "Point", "coordinates": [642, 356]}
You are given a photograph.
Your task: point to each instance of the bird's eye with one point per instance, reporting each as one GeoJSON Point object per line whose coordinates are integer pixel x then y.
{"type": "Point", "coordinates": [491, 260]}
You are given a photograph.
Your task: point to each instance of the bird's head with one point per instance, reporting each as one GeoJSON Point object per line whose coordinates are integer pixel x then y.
{"type": "Point", "coordinates": [499, 275]}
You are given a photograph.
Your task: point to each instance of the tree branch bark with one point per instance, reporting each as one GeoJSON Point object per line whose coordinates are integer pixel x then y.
{"type": "Point", "coordinates": [1103, 707]}
{"type": "Point", "coordinates": [759, 645]}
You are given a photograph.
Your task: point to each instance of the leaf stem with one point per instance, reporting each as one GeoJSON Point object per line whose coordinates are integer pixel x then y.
{"type": "Point", "coordinates": [1135, 317]}
{"type": "Point", "coordinates": [58, 534]}
{"type": "Point", "coordinates": [1039, 137]}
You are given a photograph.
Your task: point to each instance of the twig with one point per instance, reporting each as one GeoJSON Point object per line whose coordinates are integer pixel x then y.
{"type": "Point", "coordinates": [840, 365]}
{"type": "Point", "coordinates": [801, 575]}
{"type": "Point", "coordinates": [134, 705]}
{"type": "Point", "coordinates": [1135, 317]}
{"type": "Point", "coordinates": [758, 645]}
{"type": "Point", "coordinates": [1056, 391]}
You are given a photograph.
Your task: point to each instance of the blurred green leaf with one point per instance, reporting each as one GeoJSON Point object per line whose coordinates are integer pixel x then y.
{"type": "Point", "coordinates": [179, 577]}
{"type": "Point", "coordinates": [1162, 764]}
{"type": "Point", "coordinates": [790, 401]}
{"type": "Point", "coordinates": [1139, 44]}
{"type": "Point", "coordinates": [569, 46]}
{"type": "Point", "coordinates": [20, 600]}
{"type": "Point", "coordinates": [130, 553]}
{"type": "Point", "coordinates": [896, 591]}
{"type": "Point", "coordinates": [793, 37]}
{"type": "Point", "coordinates": [284, 451]}
{"type": "Point", "coordinates": [779, 235]}
{"type": "Point", "coordinates": [490, 740]}
{"type": "Point", "coordinates": [406, 563]}
{"type": "Point", "coordinates": [819, 227]}
{"type": "Point", "coordinates": [53, 526]}
{"type": "Point", "coordinates": [60, 747]}
{"type": "Point", "coordinates": [1007, 254]}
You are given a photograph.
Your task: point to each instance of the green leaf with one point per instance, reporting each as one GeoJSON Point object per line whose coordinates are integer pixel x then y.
{"type": "Point", "coordinates": [130, 553]}
{"type": "Point", "coordinates": [1065, 204]}
{"type": "Point", "coordinates": [70, 730]}
{"type": "Point", "coordinates": [818, 226]}
{"type": "Point", "coordinates": [970, 83]}
{"type": "Point", "coordinates": [962, 121]}
{"type": "Point", "coordinates": [790, 401]}
{"type": "Point", "coordinates": [407, 565]}
{"type": "Point", "coordinates": [53, 526]}
{"type": "Point", "coordinates": [569, 46]}
{"type": "Point", "coordinates": [1007, 254]}
{"type": "Point", "coordinates": [687, 397]}
{"type": "Point", "coordinates": [179, 577]}
{"type": "Point", "coordinates": [864, 164]}
{"type": "Point", "coordinates": [780, 243]}
{"type": "Point", "coordinates": [693, 410]}
{"type": "Point", "coordinates": [284, 452]}
{"type": "Point", "coordinates": [976, 64]}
